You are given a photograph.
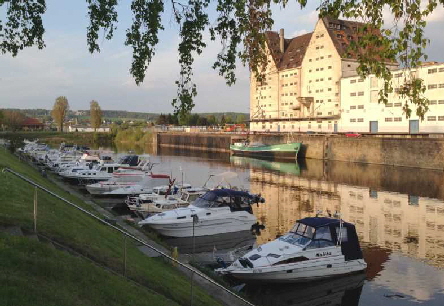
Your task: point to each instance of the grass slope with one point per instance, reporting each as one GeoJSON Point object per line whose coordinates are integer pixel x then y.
{"type": "Point", "coordinates": [72, 228]}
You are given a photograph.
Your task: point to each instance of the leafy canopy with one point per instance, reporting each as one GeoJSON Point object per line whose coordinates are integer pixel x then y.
{"type": "Point", "coordinates": [239, 26]}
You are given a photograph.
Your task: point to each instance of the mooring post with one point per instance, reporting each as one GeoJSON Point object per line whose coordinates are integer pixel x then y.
{"type": "Point", "coordinates": [124, 255]}
{"type": "Point", "coordinates": [35, 209]}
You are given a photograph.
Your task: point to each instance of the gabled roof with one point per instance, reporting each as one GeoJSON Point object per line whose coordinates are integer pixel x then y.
{"type": "Point", "coordinates": [343, 32]}
{"type": "Point", "coordinates": [294, 49]}
{"type": "Point", "coordinates": [31, 121]}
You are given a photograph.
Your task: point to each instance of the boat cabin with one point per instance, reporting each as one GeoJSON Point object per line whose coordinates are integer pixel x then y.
{"type": "Point", "coordinates": [321, 232]}
{"type": "Point", "coordinates": [234, 199]}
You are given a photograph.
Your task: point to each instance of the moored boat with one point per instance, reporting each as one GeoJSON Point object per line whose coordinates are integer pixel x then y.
{"type": "Point", "coordinates": [315, 248]}
{"type": "Point", "coordinates": [284, 151]}
{"type": "Point", "coordinates": [217, 211]}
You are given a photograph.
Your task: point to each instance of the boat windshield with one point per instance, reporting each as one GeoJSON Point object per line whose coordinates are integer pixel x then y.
{"type": "Point", "coordinates": [206, 200]}
{"type": "Point", "coordinates": [300, 234]}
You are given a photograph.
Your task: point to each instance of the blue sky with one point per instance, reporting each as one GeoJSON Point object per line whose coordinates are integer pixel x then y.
{"type": "Point", "coordinates": [35, 77]}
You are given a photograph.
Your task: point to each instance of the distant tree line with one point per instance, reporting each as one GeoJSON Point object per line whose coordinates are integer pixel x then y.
{"type": "Point", "coordinates": [200, 120]}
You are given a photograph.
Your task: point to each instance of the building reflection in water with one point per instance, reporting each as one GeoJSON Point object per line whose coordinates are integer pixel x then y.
{"type": "Point", "coordinates": [398, 213]}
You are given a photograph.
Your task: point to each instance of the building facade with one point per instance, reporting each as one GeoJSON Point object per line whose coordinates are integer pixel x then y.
{"type": "Point", "coordinates": [361, 112]}
{"type": "Point", "coordinates": [302, 87]}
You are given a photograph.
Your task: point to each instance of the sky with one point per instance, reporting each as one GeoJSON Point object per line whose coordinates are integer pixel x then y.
{"type": "Point", "coordinates": [34, 78]}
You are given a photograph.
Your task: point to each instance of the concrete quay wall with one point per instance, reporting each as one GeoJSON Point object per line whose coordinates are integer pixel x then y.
{"type": "Point", "coordinates": [408, 152]}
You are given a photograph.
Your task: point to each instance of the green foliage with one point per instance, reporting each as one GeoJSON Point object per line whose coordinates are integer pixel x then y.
{"type": "Point", "coordinates": [96, 114]}
{"type": "Point", "coordinates": [60, 111]}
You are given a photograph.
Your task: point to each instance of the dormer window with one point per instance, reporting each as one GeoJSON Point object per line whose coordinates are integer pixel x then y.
{"type": "Point", "coordinates": [339, 35]}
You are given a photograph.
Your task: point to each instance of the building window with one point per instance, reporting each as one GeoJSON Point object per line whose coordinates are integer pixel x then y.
{"type": "Point", "coordinates": [360, 106]}
{"type": "Point", "coordinates": [361, 93]}
{"type": "Point", "coordinates": [397, 104]}
{"type": "Point", "coordinates": [309, 60]}
{"type": "Point", "coordinates": [352, 120]}
{"type": "Point", "coordinates": [329, 100]}
{"type": "Point", "coordinates": [434, 70]}
{"type": "Point", "coordinates": [329, 67]}
{"type": "Point", "coordinates": [432, 102]}
{"type": "Point", "coordinates": [353, 107]}
{"type": "Point", "coordinates": [388, 119]}
{"type": "Point", "coordinates": [440, 101]}
{"type": "Point", "coordinates": [352, 81]}
{"type": "Point", "coordinates": [329, 78]}
{"type": "Point", "coordinates": [389, 105]}
{"type": "Point", "coordinates": [360, 119]}
{"type": "Point", "coordinates": [431, 118]}
{"type": "Point", "coordinates": [319, 113]}
{"type": "Point", "coordinates": [329, 89]}
{"type": "Point", "coordinates": [432, 86]}
{"type": "Point", "coordinates": [329, 56]}
{"type": "Point", "coordinates": [353, 94]}
{"type": "Point", "coordinates": [440, 118]}
{"type": "Point", "coordinates": [397, 119]}
{"type": "Point", "coordinates": [330, 113]}
{"type": "Point", "coordinates": [441, 85]}
{"type": "Point", "coordinates": [441, 69]}
{"type": "Point", "coordinates": [360, 80]}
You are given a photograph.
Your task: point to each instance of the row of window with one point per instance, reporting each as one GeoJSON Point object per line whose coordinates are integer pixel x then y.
{"type": "Point", "coordinates": [434, 86]}
{"type": "Point", "coordinates": [287, 103]}
{"type": "Point", "coordinates": [393, 104]}
{"type": "Point", "coordinates": [289, 84]}
{"type": "Point", "coordinates": [320, 69]}
{"type": "Point", "coordinates": [354, 94]}
{"type": "Point", "coordinates": [289, 94]}
{"type": "Point", "coordinates": [356, 106]}
{"type": "Point", "coordinates": [354, 81]}
{"type": "Point", "coordinates": [319, 80]}
{"type": "Point", "coordinates": [320, 113]}
{"type": "Point", "coordinates": [435, 70]}
{"type": "Point", "coordinates": [320, 35]}
{"type": "Point", "coordinates": [433, 118]}
{"type": "Point", "coordinates": [289, 75]}
{"type": "Point", "coordinates": [322, 101]}
{"type": "Point", "coordinates": [396, 119]}
{"type": "Point", "coordinates": [357, 120]}
{"type": "Point", "coordinates": [319, 58]}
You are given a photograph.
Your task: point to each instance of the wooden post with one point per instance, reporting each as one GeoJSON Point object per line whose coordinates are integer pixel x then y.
{"type": "Point", "coordinates": [35, 209]}
{"type": "Point", "coordinates": [124, 255]}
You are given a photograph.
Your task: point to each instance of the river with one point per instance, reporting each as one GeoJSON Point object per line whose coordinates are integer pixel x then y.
{"type": "Point", "coordinates": [398, 213]}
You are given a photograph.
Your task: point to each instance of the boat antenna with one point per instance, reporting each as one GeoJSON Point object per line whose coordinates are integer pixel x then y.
{"type": "Point", "coordinates": [209, 177]}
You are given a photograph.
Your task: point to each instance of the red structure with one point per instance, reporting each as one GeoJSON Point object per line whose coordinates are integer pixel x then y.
{"type": "Point", "coordinates": [32, 124]}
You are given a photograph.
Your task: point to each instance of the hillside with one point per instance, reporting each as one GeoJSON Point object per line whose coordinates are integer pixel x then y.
{"type": "Point", "coordinates": [36, 273]}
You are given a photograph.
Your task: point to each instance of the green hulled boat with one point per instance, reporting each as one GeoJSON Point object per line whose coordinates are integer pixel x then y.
{"type": "Point", "coordinates": [285, 151]}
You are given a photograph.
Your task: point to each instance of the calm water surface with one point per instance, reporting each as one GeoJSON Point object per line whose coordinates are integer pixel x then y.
{"type": "Point", "coordinates": [398, 213]}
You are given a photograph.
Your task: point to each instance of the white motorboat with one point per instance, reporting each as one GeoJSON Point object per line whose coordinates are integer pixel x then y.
{"type": "Point", "coordinates": [128, 177]}
{"type": "Point", "coordinates": [217, 211]}
{"type": "Point", "coordinates": [315, 248]}
{"type": "Point", "coordinates": [158, 201]}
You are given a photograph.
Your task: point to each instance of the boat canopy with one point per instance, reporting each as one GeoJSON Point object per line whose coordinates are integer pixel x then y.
{"type": "Point", "coordinates": [235, 199]}
{"type": "Point", "coordinates": [325, 232]}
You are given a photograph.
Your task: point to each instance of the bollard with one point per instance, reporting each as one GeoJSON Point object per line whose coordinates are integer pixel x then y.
{"type": "Point", "coordinates": [175, 255]}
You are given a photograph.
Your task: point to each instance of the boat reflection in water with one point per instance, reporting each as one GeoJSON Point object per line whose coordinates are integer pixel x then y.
{"type": "Point", "coordinates": [212, 248]}
{"type": "Point", "coordinates": [340, 291]}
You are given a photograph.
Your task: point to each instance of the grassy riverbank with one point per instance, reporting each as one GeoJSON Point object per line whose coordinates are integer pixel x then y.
{"type": "Point", "coordinates": [36, 274]}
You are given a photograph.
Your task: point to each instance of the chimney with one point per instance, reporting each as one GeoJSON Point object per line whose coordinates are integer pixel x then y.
{"type": "Point", "coordinates": [281, 40]}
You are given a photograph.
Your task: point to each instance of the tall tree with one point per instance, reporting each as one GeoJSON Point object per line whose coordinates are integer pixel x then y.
{"type": "Point", "coordinates": [240, 27]}
{"type": "Point", "coordinates": [95, 113]}
{"type": "Point", "coordinates": [59, 111]}
{"type": "Point", "coordinates": [13, 119]}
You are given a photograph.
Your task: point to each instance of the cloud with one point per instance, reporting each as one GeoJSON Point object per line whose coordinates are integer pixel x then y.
{"type": "Point", "coordinates": [299, 33]}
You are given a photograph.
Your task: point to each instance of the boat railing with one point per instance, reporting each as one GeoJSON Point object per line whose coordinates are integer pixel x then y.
{"type": "Point", "coordinates": [107, 223]}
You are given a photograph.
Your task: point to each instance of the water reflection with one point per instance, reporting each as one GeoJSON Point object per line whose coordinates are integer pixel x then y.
{"type": "Point", "coordinates": [344, 291]}
{"type": "Point", "coordinates": [399, 223]}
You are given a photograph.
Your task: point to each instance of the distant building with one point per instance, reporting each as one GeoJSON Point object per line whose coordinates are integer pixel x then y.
{"type": "Point", "coordinates": [32, 124]}
{"type": "Point", "coordinates": [78, 128]}
{"type": "Point", "coordinates": [301, 90]}
{"type": "Point", "coordinates": [361, 112]}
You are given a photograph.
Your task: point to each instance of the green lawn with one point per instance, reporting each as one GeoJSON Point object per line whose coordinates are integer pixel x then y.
{"type": "Point", "coordinates": [72, 228]}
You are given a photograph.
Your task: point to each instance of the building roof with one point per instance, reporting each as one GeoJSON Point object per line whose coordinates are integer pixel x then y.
{"type": "Point", "coordinates": [343, 32]}
{"type": "Point", "coordinates": [31, 121]}
{"type": "Point", "coordinates": [294, 49]}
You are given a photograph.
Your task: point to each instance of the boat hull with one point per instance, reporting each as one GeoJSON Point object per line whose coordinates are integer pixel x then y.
{"type": "Point", "coordinates": [278, 152]}
{"type": "Point", "coordinates": [205, 227]}
{"type": "Point", "coordinates": [306, 271]}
